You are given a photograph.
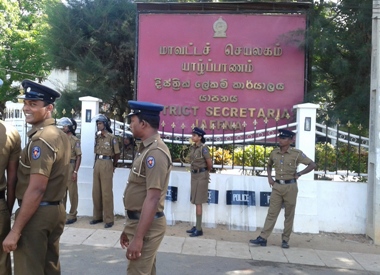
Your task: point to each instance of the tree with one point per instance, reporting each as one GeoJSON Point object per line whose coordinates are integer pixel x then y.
{"type": "Point", "coordinates": [22, 25]}
{"type": "Point", "coordinates": [96, 39]}
{"type": "Point", "coordinates": [340, 37]}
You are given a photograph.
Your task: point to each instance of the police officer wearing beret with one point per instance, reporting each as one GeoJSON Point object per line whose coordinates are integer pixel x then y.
{"type": "Point", "coordinates": [42, 180]}
{"type": "Point", "coordinates": [10, 144]}
{"type": "Point", "coordinates": [146, 189]}
{"type": "Point", "coordinates": [69, 126]}
{"type": "Point", "coordinates": [285, 160]}
{"type": "Point", "coordinates": [201, 164]}
{"type": "Point", "coordinates": [107, 154]}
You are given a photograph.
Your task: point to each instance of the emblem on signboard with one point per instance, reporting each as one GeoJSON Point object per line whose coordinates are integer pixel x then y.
{"type": "Point", "coordinates": [220, 28]}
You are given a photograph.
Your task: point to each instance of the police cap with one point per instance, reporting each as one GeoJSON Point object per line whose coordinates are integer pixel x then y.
{"type": "Point", "coordinates": [36, 91]}
{"type": "Point", "coordinates": [141, 107]}
{"type": "Point", "coordinates": [286, 133]}
{"type": "Point", "coordinates": [199, 131]}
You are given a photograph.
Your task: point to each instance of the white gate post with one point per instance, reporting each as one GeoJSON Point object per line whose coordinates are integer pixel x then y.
{"type": "Point", "coordinates": [306, 218]}
{"type": "Point", "coordinates": [305, 138]}
{"type": "Point", "coordinates": [90, 108]}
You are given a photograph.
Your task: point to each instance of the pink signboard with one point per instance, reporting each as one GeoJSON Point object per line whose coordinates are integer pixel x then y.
{"type": "Point", "coordinates": [221, 71]}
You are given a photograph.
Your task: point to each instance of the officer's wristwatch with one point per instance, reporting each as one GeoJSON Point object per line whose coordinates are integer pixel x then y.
{"type": "Point", "coordinates": [298, 175]}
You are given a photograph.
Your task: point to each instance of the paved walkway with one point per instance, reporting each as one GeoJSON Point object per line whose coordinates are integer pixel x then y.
{"type": "Point", "coordinates": [233, 250]}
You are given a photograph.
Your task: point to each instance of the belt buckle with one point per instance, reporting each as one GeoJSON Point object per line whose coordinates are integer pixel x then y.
{"type": "Point", "coordinates": [100, 156]}
{"type": "Point", "coordinates": [281, 181]}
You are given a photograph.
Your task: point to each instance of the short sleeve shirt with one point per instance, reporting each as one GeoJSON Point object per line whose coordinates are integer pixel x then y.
{"type": "Point", "coordinates": [75, 147]}
{"type": "Point", "coordinates": [150, 170]}
{"type": "Point", "coordinates": [107, 145]}
{"type": "Point", "coordinates": [198, 155]}
{"type": "Point", "coordinates": [47, 153]}
{"type": "Point", "coordinates": [286, 164]}
{"type": "Point", "coordinates": [10, 149]}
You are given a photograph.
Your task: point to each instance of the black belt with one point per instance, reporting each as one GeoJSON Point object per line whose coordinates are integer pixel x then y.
{"type": "Point", "coordinates": [103, 157]}
{"type": "Point", "coordinates": [135, 215]}
{"type": "Point", "coordinates": [43, 203]}
{"type": "Point", "coordinates": [200, 170]}
{"type": "Point", "coordinates": [286, 181]}
{"type": "Point", "coordinates": [2, 194]}
{"type": "Point", "coordinates": [73, 160]}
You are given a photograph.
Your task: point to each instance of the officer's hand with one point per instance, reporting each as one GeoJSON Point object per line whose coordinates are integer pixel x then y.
{"type": "Point", "coordinates": [134, 249]}
{"type": "Point", "coordinates": [271, 181]}
{"type": "Point", "coordinates": [74, 177]}
{"type": "Point", "coordinates": [10, 242]}
{"type": "Point", "coordinates": [124, 242]}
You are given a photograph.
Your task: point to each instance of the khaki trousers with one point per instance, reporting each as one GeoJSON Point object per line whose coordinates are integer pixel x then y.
{"type": "Point", "coordinates": [102, 194]}
{"type": "Point", "coordinates": [37, 250]}
{"type": "Point", "coordinates": [72, 189]}
{"type": "Point", "coordinates": [281, 193]}
{"type": "Point", "coordinates": [5, 227]}
{"type": "Point", "coordinates": [146, 264]}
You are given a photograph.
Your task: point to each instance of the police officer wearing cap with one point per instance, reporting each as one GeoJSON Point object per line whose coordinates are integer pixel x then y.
{"type": "Point", "coordinates": [201, 164]}
{"type": "Point", "coordinates": [10, 144]}
{"type": "Point", "coordinates": [107, 154]}
{"type": "Point", "coordinates": [146, 189]}
{"type": "Point", "coordinates": [69, 126]}
{"type": "Point", "coordinates": [285, 160]}
{"type": "Point", "coordinates": [42, 179]}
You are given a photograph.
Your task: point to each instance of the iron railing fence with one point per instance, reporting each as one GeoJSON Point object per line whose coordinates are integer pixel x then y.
{"type": "Point", "coordinates": [341, 153]}
{"type": "Point", "coordinates": [338, 153]}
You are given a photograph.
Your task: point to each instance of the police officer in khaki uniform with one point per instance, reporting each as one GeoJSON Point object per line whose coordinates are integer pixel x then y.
{"type": "Point", "coordinates": [201, 164]}
{"type": "Point", "coordinates": [42, 180]}
{"type": "Point", "coordinates": [69, 126]}
{"type": "Point", "coordinates": [146, 189]}
{"type": "Point", "coordinates": [10, 148]}
{"type": "Point", "coordinates": [285, 160]}
{"type": "Point", "coordinates": [128, 148]}
{"type": "Point", "coordinates": [107, 154]}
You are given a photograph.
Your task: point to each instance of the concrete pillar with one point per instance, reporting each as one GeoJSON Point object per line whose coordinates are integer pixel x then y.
{"type": "Point", "coordinates": [306, 218]}
{"type": "Point", "coordinates": [373, 186]}
{"type": "Point", "coordinates": [305, 138]}
{"type": "Point", "coordinates": [90, 108]}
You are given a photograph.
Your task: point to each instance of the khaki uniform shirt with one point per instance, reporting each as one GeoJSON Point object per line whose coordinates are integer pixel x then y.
{"type": "Point", "coordinates": [75, 147]}
{"type": "Point", "coordinates": [107, 145]}
{"type": "Point", "coordinates": [150, 169]}
{"type": "Point", "coordinates": [286, 164]}
{"type": "Point", "coordinates": [128, 152]}
{"type": "Point", "coordinates": [198, 155]}
{"type": "Point", "coordinates": [10, 149]}
{"type": "Point", "coordinates": [47, 153]}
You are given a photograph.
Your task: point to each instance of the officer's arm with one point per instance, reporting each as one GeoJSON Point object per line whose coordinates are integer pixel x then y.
{"type": "Point", "coordinates": [31, 201]}
{"type": "Point", "coordinates": [209, 164]}
{"type": "Point", "coordinates": [11, 183]}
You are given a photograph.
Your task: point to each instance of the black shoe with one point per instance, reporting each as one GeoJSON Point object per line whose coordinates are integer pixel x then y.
{"type": "Point", "coordinates": [285, 244]}
{"type": "Point", "coordinates": [191, 230]}
{"type": "Point", "coordinates": [196, 233]}
{"type": "Point", "coordinates": [259, 241]}
{"type": "Point", "coordinates": [70, 221]}
{"type": "Point", "coordinates": [95, 221]}
{"type": "Point", "coordinates": [108, 225]}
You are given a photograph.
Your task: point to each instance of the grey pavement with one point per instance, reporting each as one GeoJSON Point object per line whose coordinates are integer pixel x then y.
{"type": "Point", "coordinates": [97, 251]}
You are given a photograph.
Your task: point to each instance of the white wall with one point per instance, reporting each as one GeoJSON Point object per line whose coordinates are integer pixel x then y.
{"type": "Point", "coordinates": [322, 205]}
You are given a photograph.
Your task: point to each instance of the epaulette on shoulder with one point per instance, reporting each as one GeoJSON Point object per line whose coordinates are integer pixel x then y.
{"type": "Point", "coordinates": [46, 132]}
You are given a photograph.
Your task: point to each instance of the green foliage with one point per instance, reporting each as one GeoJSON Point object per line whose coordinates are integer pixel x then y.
{"type": "Point", "coordinates": [340, 42]}
{"type": "Point", "coordinates": [344, 157]}
{"type": "Point", "coordinates": [221, 156]}
{"type": "Point", "coordinates": [96, 39]}
{"type": "Point", "coordinates": [22, 27]}
{"type": "Point", "coordinates": [252, 156]}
